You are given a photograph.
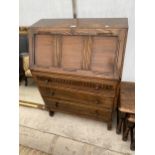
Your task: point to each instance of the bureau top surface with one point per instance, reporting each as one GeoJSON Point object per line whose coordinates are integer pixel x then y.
{"type": "Point", "coordinates": [117, 23]}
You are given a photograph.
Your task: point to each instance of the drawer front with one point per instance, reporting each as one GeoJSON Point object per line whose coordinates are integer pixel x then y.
{"type": "Point", "coordinates": [89, 87]}
{"type": "Point", "coordinates": [78, 97]}
{"type": "Point", "coordinates": [64, 106]}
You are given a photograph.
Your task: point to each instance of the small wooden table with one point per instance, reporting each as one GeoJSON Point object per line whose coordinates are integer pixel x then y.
{"type": "Point", "coordinates": [126, 111]}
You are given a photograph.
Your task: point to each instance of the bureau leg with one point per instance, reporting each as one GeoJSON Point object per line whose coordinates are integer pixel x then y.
{"type": "Point", "coordinates": [51, 113]}
{"type": "Point", "coordinates": [117, 117]}
{"type": "Point", "coordinates": [109, 125]}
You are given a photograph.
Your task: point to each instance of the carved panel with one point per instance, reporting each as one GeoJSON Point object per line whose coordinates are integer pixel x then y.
{"type": "Point", "coordinates": [72, 52]}
{"type": "Point", "coordinates": [44, 47]}
{"type": "Point", "coordinates": [103, 56]}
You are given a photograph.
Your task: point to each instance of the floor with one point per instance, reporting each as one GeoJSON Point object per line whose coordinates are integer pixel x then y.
{"type": "Point", "coordinates": [65, 134]}
{"type": "Point", "coordinates": [30, 93]}
{"type": "Point", "coordinates": [23, 150]}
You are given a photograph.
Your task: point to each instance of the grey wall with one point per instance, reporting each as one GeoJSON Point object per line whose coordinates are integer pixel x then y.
{"type": "Point", "coordinates": [33, 10]}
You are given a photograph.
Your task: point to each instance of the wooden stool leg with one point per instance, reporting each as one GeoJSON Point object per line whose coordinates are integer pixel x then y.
{"type": "Point", "coordinates": [129, 127]}
{"type": "Point", "coordinates": [132, 145]}
{"type": "Point", "coordinates": [125, 124]}
{"type": "Point", "coordinates": [120, 122]}
{"type": "Point", "coordinates": [118, 102]}
{"type": "Point", "coordinates": [125, 134]}
{"type": "Point", "coordinates": [51, 113]}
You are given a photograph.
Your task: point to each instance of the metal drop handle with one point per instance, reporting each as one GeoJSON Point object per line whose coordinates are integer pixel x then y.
{"type": "Point", "coordinates": [97, 112]}
{"type": "Point", "coordinates": [52, 93]}
{"type": "Point", "coordinates": [56, 104]}
{"type": "Point", "coordinates": [97, 87]}
{"type": "Point", "coordinates": [47, 81]}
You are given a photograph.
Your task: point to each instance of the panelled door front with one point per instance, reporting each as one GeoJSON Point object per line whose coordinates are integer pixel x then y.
{"type": "Point", "coordinates": [94, 54]}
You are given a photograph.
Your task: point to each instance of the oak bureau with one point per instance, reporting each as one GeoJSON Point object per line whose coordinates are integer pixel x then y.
{"type": "Point", "coordinates": [77, 64]}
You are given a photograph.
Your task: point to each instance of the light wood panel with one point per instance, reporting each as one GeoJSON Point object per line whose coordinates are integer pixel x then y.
{"type": "Point", "coordinates": [44, 47]}
{"type": "Point", "coordinates": [72, 52]}
{"type": "Point", "coordinates": [104, 50]}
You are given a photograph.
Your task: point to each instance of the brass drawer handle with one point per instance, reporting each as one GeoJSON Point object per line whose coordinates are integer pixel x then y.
{"type": "Point", "coordinates": [47, 81]}
{"type": "Point", "coordinates": [56, 104]}
{"type": "Point", "coordinates": [97, 112]}
{"type": "Point", "coordinates": [52, 93]}
{"type": "Point", "coordinates": [97, 87]}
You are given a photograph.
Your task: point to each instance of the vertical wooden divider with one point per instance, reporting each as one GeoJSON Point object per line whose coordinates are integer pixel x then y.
{"type": "Point", "coordinates": [86, 53]}
{"type": "Point", "coordinates": [115, 67]}
{"type": "Point", "coordinates": [57, 53]}
{"type": "Point", "coordinates": [59, 50]}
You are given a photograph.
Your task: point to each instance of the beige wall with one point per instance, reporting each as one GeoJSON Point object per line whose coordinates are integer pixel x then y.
{"type": "Point", "coordinates": [33, 10]}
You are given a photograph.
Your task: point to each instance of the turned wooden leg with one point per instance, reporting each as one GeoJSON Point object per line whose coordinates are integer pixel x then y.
{"type": "Point", "coordinates": [109, 125]}
{"type": "Point", "coordinates": [120, 122]}
{"type": "Point", "coordinates": [132, 145]}
{"type": "Point", "coordinates": [51, 113]}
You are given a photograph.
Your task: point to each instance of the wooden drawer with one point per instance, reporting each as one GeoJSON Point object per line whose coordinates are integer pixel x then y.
{"type": "Point", "coordinates": [90, 87]}
{"type": "Point", "coordinates": [70, 107]}
{"type": "Point", "coordinates": [78, 97]}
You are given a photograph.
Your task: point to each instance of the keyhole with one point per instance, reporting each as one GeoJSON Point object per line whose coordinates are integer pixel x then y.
{"type": "Point", "coordinates": [46, 81]}
{"type": "Point", "coordinates": [56, 104]}
{"type": "Point", "coordinates": [52, 93]}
